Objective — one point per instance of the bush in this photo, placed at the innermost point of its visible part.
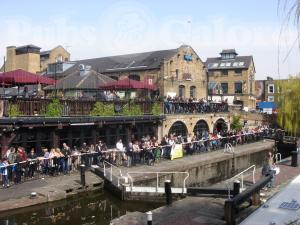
(14, 111)
(134, 110)
(236, 124)
(54, 109)
(101, 109)
(156, 109)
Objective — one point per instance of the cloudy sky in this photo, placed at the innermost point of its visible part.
(96, 28)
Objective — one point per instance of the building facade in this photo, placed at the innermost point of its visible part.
(31, 59)
(232, 78)
(176, 72)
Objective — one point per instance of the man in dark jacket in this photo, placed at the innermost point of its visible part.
(32, 163)
(66, 151)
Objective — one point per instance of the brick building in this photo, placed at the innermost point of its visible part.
(176, 72)
(232, 77)
(31, 59)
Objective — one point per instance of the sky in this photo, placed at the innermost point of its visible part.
(97, 28)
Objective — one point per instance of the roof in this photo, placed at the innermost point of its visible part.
(228, 51)
(239, 62)
(45, 52)
(136, 61)
(28, 46)
(74, 81)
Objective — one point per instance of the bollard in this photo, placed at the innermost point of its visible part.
(168, 192)
(149, 218)
(236, 187)
(294, 162)
(82, 175)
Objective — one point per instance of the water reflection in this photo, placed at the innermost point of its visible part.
(89, 209)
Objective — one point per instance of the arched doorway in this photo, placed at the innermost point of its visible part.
(200, 127)
(179, 129)
(220, 125)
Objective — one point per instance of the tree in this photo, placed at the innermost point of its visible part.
(236, 124)
(14, 111)
(288, 102)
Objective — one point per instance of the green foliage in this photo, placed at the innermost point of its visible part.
(101, 109)
(14, 111)
(236, 124)
(134, 110)
(156, 109)
(288, 102)
(54, 109)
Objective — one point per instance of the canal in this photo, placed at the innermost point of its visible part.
(97, 208)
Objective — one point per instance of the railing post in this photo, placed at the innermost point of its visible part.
(294, 162)
(110, 173)
(82, 175)
(149, 218)
(156, 182)
(236, 188)
(229, 212)
(168, 192)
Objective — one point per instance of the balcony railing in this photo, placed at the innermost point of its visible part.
(38, 107)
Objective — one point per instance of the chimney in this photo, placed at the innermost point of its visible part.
(10, 58)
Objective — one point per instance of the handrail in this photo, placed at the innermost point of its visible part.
(242, 178)
(111, 170)
(228, 148)
(157, 178)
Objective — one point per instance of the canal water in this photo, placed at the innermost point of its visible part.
(97, 208)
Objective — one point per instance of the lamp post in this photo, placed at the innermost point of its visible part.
(55, 64)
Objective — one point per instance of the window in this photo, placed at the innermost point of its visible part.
(228, 64)
(238, 71)
(134, 77)
(238, 88)
(224, 87)
(181, 91)
(222, 64)
(193, 92)
(271, 88)
(177, 73)
(59, 59)
(270, 98)
(225, 72)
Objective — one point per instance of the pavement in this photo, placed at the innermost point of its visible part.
(187, 162)
(48, 189)
(207, 210)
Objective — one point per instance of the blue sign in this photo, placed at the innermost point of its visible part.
(188, 57)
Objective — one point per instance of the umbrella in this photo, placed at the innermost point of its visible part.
(127, 84)
(21, 77)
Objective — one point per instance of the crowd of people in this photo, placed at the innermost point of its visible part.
(192, 105)
(17, 165)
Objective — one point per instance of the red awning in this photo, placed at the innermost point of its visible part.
(126, 84)
(21, 77)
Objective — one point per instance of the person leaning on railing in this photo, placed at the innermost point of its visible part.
(32, 163)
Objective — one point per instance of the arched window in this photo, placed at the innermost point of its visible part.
(181, 91)
(200, 127)
(220, 125)
(178, 128)
(134, 77)
(193, 93)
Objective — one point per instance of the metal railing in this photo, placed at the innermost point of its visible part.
(111, 167)
(228, 148)
(240, 176)
(157, 188)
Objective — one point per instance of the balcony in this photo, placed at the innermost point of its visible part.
(38, 107)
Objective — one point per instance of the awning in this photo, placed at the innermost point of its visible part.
(267, 105)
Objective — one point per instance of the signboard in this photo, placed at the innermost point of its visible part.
(176, 151)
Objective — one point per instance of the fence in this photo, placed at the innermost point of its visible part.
(35, 107)
(41, 166)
